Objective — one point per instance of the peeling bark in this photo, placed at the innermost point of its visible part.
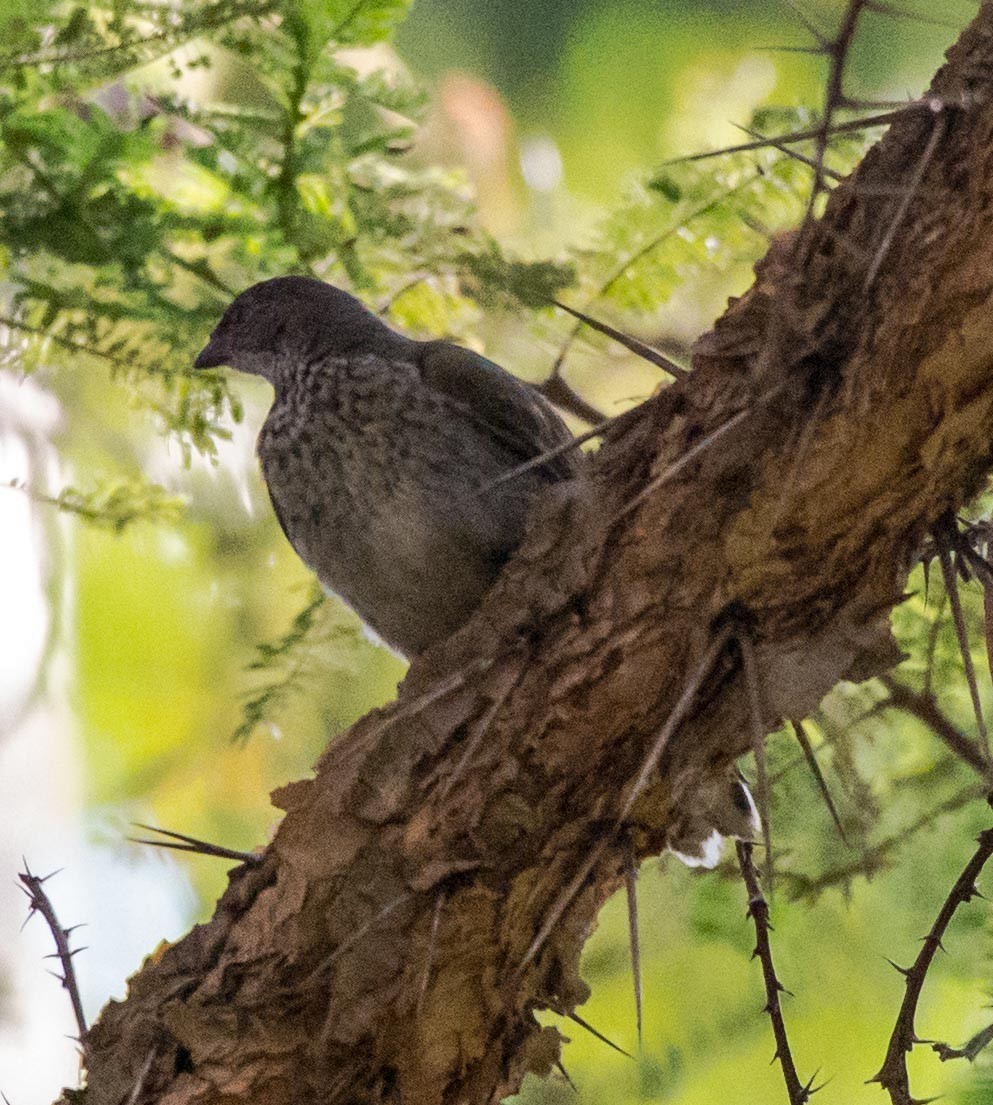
(854, 386)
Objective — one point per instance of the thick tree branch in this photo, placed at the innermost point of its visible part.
(308, 984)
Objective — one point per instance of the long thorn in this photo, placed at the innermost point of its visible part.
(631, 884)
(937, 130)
(565, 1074)
(955, 601)
(881, 120)
(180, 842)
(598, 1034)
(803, 739)
(550, 454)
(678, 715)
(562, 902)
(677, 466)
(439, 904)
(638, 347)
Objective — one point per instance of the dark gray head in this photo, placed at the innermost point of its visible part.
(291, 320)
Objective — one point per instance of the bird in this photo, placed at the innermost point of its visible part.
(383, 454)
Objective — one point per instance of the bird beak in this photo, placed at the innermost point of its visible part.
(211, 355)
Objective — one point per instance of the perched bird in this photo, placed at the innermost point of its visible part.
(380, 452)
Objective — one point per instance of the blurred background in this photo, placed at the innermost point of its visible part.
(164, 658)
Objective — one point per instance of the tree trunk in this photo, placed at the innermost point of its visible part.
(435, 882)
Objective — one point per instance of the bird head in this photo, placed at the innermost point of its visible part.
(273, 327)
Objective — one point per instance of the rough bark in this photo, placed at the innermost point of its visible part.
(384, 946)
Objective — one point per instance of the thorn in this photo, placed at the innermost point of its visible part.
(543, 458)
(905, 971)
(633, 344)
(565, 1075)
(809, 26)
(693, 452)
(955, 601)
(937, 132)
(598, 1034)
(679, 713)
(439, 904)
(180, 842)
(562, 903)
(815, 51)
(783, 148)
(631, 883)
(800, 732)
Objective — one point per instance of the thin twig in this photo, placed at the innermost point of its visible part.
(893, 1076)
(834, 99)
(39, 902)
(969, 1050)
(758, 911)
(924, 706)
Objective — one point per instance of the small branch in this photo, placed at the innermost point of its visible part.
(969, 1050)
(39, 902)
(924, 706)
(893, 1076)
(758, 910)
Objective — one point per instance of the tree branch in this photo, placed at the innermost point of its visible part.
(305, 985)
(893, 1075)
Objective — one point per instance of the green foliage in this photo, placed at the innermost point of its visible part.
(311, 648)
(116, 504)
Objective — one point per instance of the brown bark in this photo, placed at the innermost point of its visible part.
(380, 948)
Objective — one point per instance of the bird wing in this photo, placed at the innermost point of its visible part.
(519, 417)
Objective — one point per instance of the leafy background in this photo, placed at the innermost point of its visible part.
(165, 658)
